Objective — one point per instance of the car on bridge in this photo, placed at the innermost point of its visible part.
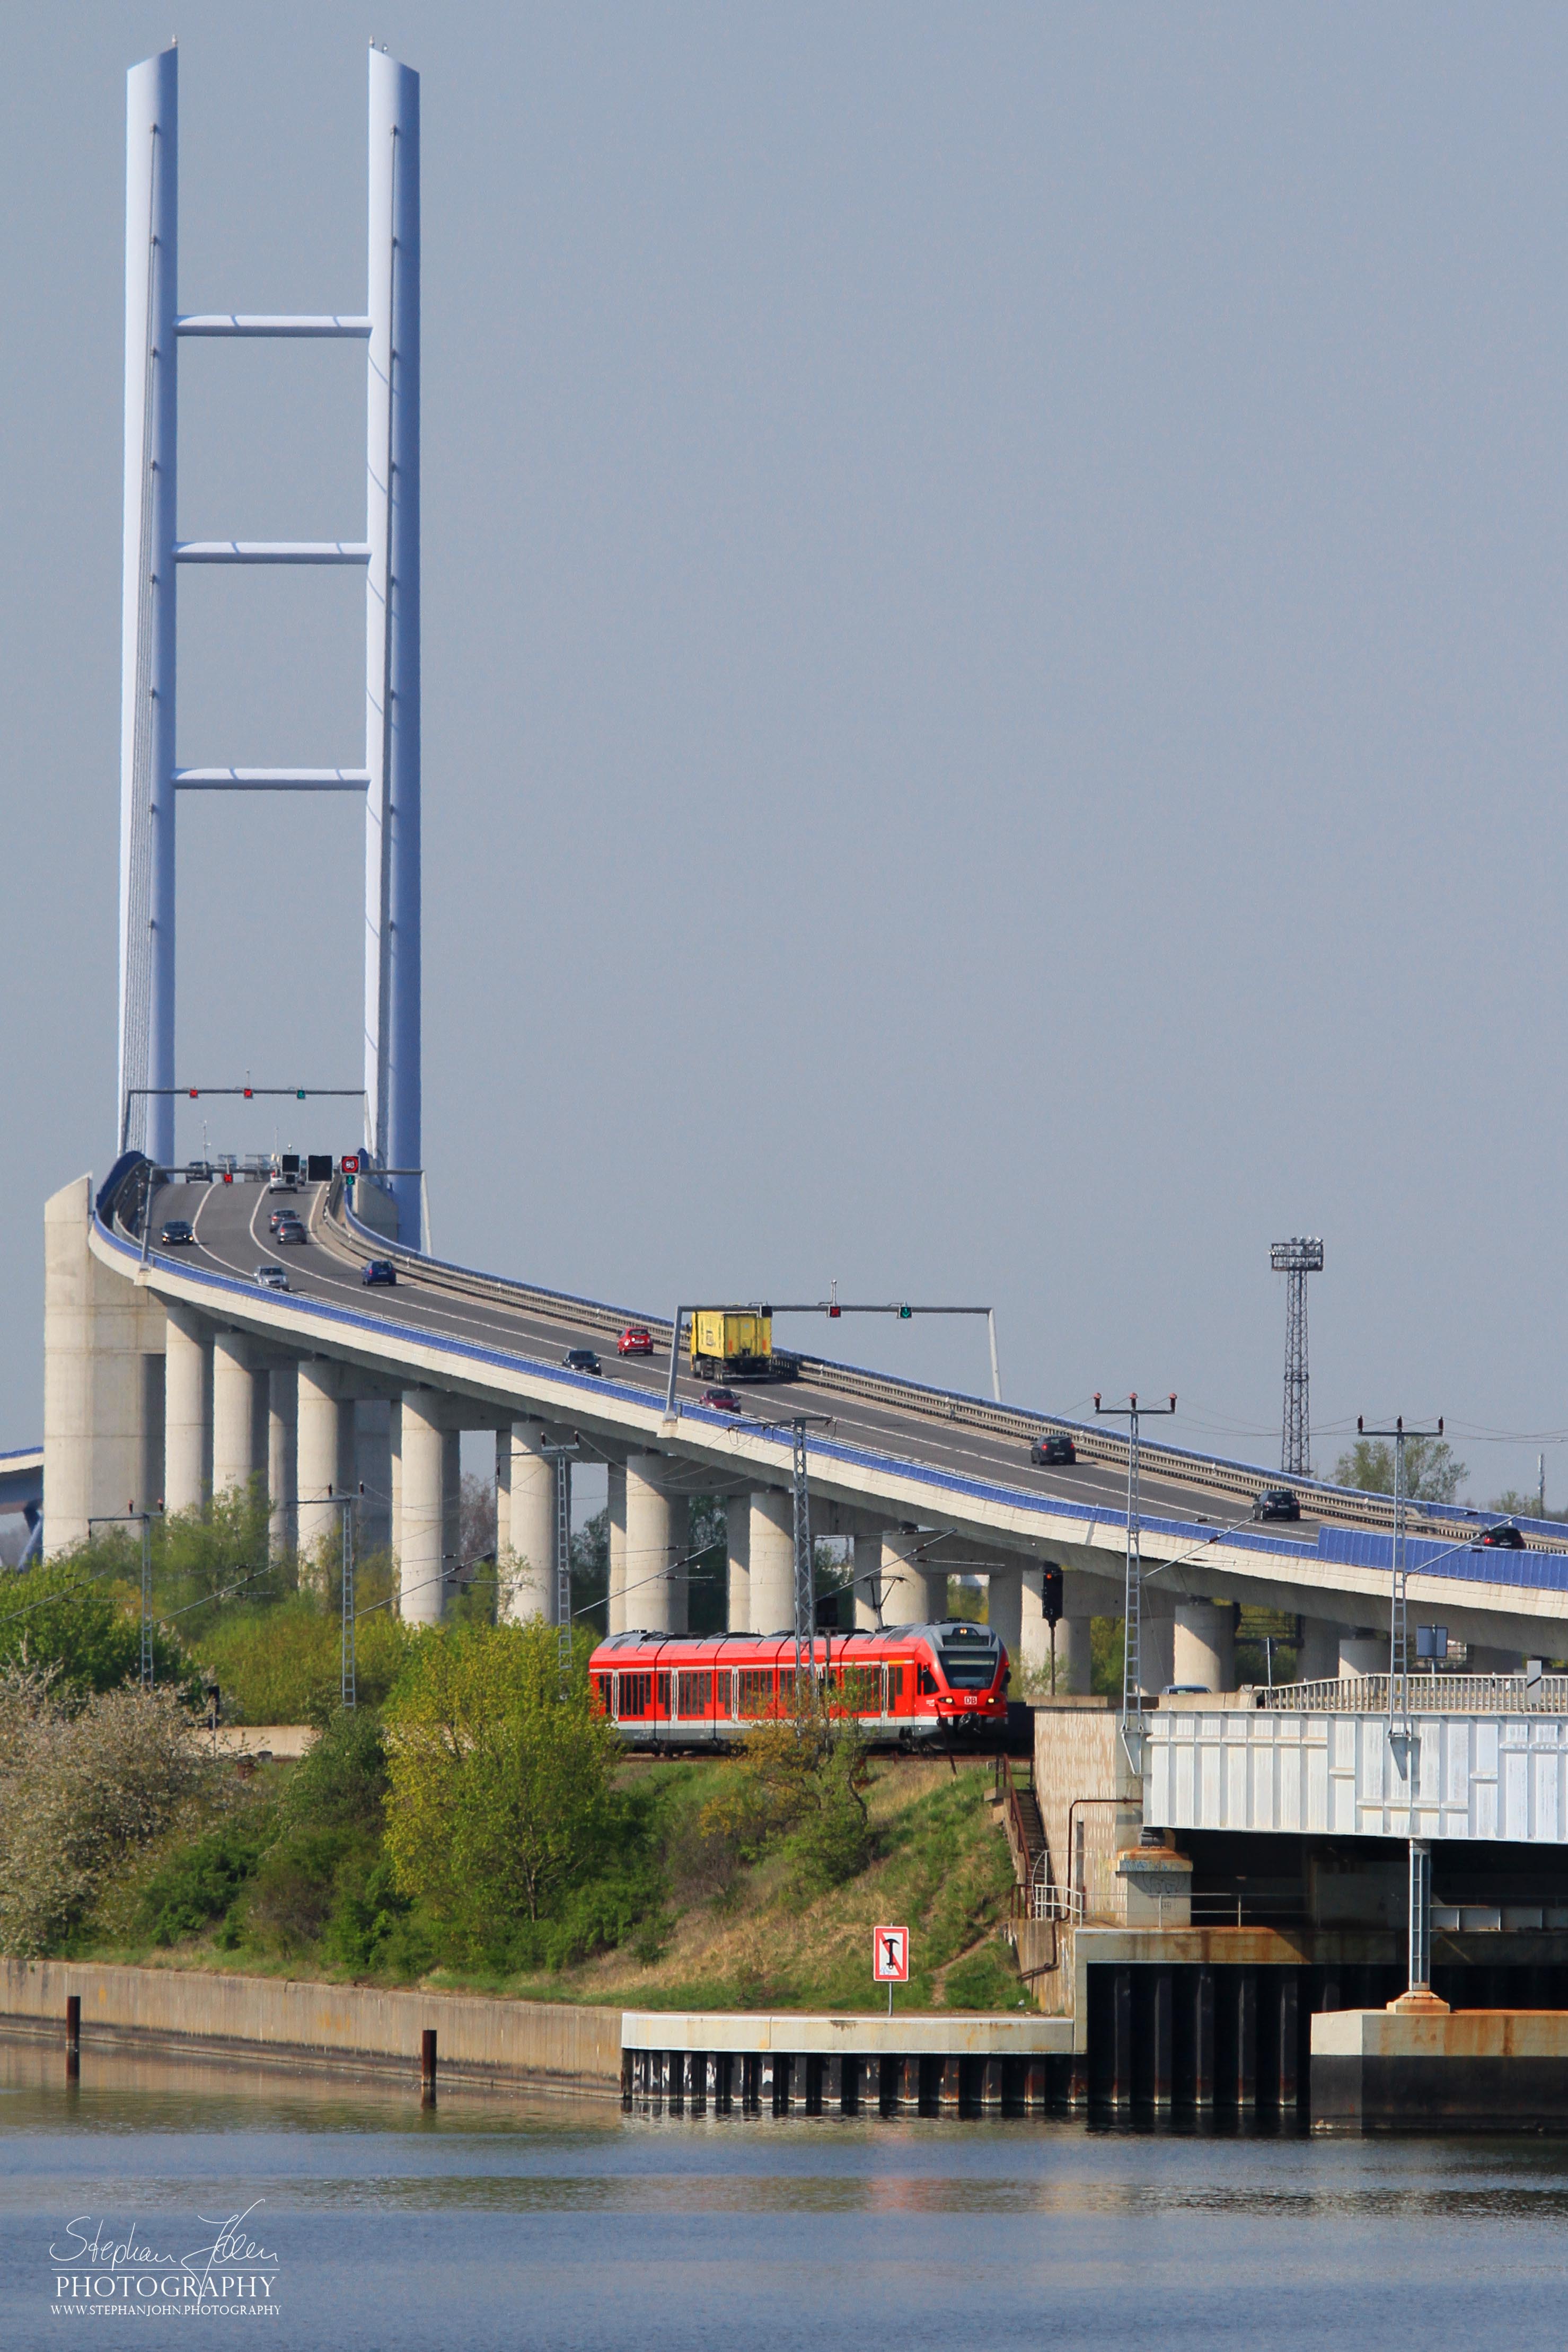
(1276, 1502)
(178, 1234)
(289, 1229)
(722, 1400)
(378, 1269)
(635, 1340)
(1504, 1537)
(271, 1277)
(582, 1359)
(283, 1184)
(1052, 1448)
(281, 1217)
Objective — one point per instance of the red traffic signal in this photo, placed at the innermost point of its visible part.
(834, 1313)
(248, 1094)
(228, 1175)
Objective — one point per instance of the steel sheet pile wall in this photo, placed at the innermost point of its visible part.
(1475, 1777)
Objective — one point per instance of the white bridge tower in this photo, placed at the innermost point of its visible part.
(151, 782)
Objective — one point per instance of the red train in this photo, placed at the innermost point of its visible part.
(905, 1684)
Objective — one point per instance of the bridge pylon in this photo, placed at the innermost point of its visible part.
(150, 781)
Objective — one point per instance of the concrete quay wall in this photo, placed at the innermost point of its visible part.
(546, 2045)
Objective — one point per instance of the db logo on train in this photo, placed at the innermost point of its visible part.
(891, 1955)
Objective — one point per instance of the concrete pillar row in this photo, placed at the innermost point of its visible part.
(239, 1400)
(652, 1549)
(282, 1436)
(421, 1571)
(771, 1560)
(529, 1532)
(616, 1516)
(738, 1555)
(187, 1409)
(1204, 1648)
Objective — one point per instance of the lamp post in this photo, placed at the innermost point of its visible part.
(1132, 1413)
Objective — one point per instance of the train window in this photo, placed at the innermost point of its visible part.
(696, 1694)
(635, 1691)
(725, 1678)
(895, 1676)
(925, 1683)
(858, 1688)
(755, 1695)
(969, 1665)
(602, 1692)
(662, 1694)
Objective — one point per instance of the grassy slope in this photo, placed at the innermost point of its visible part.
(944, 1872)
(751, 1939)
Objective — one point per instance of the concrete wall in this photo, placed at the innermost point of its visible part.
(103, 1411)
(532, 2041)
(1078, 1756)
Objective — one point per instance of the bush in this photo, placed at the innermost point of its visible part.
(800, 1779)
(296, 1885)
(80, 1793)
(198, 1884)
(283, 1664)
(500, 1779)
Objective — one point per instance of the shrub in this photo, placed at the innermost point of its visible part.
(282, 1664)
(499, 1777)
(198, 1883)
(72, 1614)
(80, 1794)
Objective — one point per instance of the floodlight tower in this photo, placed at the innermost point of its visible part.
(1296, 1260)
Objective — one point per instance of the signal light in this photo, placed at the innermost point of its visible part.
(834, 1313)
(299, 1094)
(1051, 1593)
(195, 1091)
(228, 1175)
(905, 1313)
(248, 1093)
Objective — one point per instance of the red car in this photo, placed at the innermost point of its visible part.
(722, 1400)
(634, 1341)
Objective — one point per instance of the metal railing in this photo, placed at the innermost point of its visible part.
(1425, 1694)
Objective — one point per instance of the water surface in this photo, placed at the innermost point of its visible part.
(521, 2223)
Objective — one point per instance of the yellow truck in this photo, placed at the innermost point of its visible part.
(736, 1343)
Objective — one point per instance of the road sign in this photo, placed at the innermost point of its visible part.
(350, 1163)
(891, 1955)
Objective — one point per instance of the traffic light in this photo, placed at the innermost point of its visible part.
(248, 1094)
(299, 1094)
(834, 1312)
(904, 1314)
(1051, 1593)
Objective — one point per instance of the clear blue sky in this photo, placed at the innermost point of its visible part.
(994, 663)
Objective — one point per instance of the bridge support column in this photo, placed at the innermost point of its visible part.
(395, 1475)
(187, 1409)
(1478, 1661)
(1363, 1653)
(102, 1395)
(651, 1547)
(531, 1527)
(1005, 1612)
(452, 1504)
(738, 1555)
(868, 1560)
(615, 1521)
(321, 1414)
(1157, 1651)
(771, 1543)
(422, 1573)
(1205, 1649)
(373, 1468)
(283, 1432)
(239, 1413)
(1318, 1658)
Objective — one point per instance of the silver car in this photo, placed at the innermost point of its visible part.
(271, 1277)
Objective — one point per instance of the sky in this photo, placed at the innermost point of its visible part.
(993, 668)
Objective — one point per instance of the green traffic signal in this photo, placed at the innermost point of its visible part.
(904, 1314)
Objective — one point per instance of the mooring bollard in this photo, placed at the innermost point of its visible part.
(427, 2066)
(73, 2033)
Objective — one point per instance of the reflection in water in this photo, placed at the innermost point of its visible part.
(495, 2220)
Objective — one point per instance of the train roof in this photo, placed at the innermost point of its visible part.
(716, 1644)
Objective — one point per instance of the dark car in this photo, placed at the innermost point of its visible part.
(582, 1359)
(282, 1217)
(378, 1269)
(1504, 1537)
(722, 1400)
(1052, 1446)
(178, 1234)
(1276, 1502)
(289, 1229)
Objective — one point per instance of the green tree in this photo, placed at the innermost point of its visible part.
(1432, 1473)
(500, 1779)
(74, 1614)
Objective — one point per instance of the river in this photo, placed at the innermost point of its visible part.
(370, 2224)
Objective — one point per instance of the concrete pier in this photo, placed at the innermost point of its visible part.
(530, 1534)
(422, 1582)
(1471, 2070)
(651, 1544)
(738, 1561)
(772, 1552)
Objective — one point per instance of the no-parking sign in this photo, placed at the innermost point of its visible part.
(350, 1163)
(891, 1955)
